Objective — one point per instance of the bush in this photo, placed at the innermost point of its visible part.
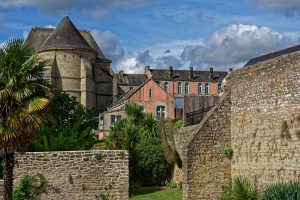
(282, 191)
(149, 164)
(240, 189)
(29, 187)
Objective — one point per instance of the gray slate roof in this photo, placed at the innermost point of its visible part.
(65, 36)
(184, 75)
(39, 35)
(272, 55)
(131, 79)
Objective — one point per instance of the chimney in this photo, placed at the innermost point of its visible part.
(121, 72)
(147, 68)
(171, 72)
(230, 70)
(191, 73)
(211, 73)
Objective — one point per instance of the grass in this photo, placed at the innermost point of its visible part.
(156, 194)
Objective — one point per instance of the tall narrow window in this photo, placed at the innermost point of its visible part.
(150, 92)
(199, 88)
(220, 87)
(179, 88)
(186, 88)
(206, 88)
(160, 112)
(166, 86)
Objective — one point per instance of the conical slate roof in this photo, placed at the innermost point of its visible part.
(65, 36)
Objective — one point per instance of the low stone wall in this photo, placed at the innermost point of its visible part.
(78, 175)
(206, 168)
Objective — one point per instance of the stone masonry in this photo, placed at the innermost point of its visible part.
(265, 120)
(205, 165)
(78, 175)
(259, 118)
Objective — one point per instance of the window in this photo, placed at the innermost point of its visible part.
(206, 89)
(220, 87)
(112, 119)
(160, 112)
(150, 93)
(186, 88)
(179, 88)
(166, 86)
(199, 88)
(119, 117)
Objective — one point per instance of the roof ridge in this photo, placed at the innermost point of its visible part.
(66, 36)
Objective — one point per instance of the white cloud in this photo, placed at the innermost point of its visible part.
(287, 7)
(234, 45)
(95, 8)
(109, 44)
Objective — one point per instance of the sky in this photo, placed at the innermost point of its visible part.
(221, 34)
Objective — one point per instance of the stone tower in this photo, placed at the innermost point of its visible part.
(77, 64)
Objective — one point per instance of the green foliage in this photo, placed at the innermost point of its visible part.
(149, 164)
(138, 133)
(170, 184)
(282, 191)
(240, 189)
(166, 133)
(228, 150)
(69, 129)
(29, 187)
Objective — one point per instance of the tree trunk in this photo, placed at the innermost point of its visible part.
(8, 166)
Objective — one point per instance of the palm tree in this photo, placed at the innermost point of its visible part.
(23, 94)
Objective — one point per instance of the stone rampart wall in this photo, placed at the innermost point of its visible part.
(206, 168)
(78, 175)
(265, 120)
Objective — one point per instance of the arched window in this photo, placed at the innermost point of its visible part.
(160, 112)
(220, 87)
(206, 88)
(186, 88)
(166, 86)
(199, 88)
(179, 88)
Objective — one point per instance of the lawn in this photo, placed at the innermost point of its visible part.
(156, 194)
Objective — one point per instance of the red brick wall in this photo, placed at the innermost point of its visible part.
(159, 97)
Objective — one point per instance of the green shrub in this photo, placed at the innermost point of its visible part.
(170, 184)
(240, 189)
(149, 165)
(282, 191)
(29, 187)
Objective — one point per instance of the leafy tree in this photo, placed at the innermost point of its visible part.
(151, 167)
(138, 133)
(69, 128)
(23, 94)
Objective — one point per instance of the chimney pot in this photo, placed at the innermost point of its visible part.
(191, 73)
(147, 68)
(211, 73)
(230, 69)
(171, 72)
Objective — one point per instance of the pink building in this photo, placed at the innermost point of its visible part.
(162, 94)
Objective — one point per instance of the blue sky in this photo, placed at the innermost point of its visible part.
(181, 33)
